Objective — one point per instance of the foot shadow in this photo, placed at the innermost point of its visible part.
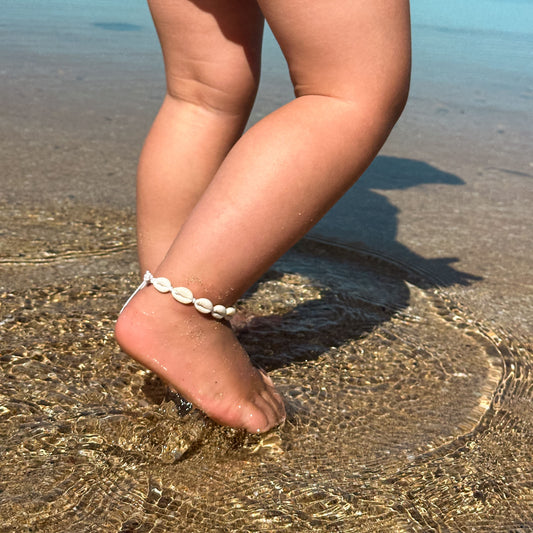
(358, 292)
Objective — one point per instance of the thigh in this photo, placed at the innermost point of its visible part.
(211, 49)
(344, 48)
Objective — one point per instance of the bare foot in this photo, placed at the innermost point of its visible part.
(201, 358)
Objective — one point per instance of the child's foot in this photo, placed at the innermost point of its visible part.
(201, 358)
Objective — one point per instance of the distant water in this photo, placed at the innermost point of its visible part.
(514, 16)
(460, 46)
(120, 27)
(478, 47)
(77, 27)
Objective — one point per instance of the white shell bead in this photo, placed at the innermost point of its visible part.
(182, 295)
(219, 312)
(230, 311)
(203, 305)
(162, 284)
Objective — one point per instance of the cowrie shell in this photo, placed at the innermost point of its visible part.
(162, 284)
(219, 312)
(182, 295)
(230, 311)
(203, 305)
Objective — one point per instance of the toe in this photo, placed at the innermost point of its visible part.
(272, 396)
(266, 413)
(274, 401)
(256, 421)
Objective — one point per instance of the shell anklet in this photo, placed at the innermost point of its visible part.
(184, 296)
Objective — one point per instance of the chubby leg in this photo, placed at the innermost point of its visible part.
(350, 66)
(212, 60)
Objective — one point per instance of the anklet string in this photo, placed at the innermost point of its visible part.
(183, 296)
(147, 277)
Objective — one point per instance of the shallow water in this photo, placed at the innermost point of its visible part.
(403, 413)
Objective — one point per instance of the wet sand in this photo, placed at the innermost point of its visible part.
(410, 412)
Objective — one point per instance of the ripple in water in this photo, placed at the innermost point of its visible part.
(404, 414)
(117, 26)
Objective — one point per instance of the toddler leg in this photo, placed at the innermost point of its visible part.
(212, 59)
(349, 61)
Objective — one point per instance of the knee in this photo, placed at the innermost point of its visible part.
(397, 95)
(376, 89)
(381, 109)
(380, 101)
(225, 90)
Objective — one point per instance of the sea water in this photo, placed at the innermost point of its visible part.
(450, 38)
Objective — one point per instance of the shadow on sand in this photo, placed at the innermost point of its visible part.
(366, 218)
